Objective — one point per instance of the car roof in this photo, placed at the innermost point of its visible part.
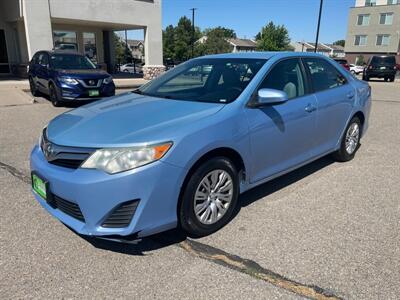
(69, 52)
(264, 55)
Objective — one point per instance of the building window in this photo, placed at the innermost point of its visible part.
(360, 40)
(89, 44)
(386, 19)
(65, 40)
(370, 2)
(392, 2)
(383, 40)
(363, 20)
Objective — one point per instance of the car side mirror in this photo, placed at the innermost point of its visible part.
(270, 96)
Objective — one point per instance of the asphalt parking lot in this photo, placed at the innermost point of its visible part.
(326, 231)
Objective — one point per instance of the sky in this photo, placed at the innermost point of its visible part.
(247, 17)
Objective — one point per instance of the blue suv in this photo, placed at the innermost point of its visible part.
(68, 76)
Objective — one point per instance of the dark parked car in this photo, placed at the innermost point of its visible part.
(381, 67)
(68, 76)
(343, 63)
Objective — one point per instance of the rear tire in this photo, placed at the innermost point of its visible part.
(209, 197)
(350, 141)
(54, 98)
(392, 79)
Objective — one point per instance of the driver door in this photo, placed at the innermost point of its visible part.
(282, 135)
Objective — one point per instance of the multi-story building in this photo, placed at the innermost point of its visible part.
(87, 26)
(373, 29)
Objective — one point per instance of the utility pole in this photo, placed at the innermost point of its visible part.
(193, 30)
(319, 24)
(126, 46)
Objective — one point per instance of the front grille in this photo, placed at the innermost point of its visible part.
(64, 156)
(121, 215)
(67, 163)
(67, 207)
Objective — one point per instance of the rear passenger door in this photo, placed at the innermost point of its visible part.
(335, 97)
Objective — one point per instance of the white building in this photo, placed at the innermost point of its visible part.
(329, 50)
(27, 26)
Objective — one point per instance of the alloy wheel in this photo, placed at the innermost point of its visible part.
(352, 138)
(213, 196)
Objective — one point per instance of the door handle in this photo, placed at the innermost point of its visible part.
(310, 108)
(350, 95)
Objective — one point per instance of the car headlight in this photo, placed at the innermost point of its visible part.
(68, 80)
(115, 160)
(107, 80)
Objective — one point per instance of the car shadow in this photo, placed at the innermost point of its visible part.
(158, 241)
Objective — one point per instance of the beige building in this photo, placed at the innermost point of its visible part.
(373, 29)
(87, 26)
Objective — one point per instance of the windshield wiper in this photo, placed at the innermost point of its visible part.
(137, 91)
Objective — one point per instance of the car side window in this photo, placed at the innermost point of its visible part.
(324, 76)
(286, 76)
(44, 59)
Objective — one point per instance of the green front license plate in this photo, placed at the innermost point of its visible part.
(93, 93)
(39, 186)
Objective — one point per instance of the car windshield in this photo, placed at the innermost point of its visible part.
(383, 60)
(71, 62)
(205, 80)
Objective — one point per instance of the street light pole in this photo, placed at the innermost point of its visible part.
(319, 24)
(193, 30)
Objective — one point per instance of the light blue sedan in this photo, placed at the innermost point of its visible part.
(179, 150)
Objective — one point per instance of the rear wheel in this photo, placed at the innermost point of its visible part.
(350, 141)
(392, 79)
(54, 98)
(209, 197)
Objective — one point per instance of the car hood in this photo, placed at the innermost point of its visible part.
(126, 120)
(84, 74)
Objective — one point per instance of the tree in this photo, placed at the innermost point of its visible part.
(340, 43)
(122, 53)
(169, 42)
(273, 38)
(177, 43)
(221, 31)
(216, 41)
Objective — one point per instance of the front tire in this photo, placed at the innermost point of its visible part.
(350, 141)
(54, 98)
(209, 197)
(33, 88)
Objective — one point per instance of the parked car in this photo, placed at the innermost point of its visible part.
(179, 150)
(67, 77)
(343, 63)
(381, 67)
(131, 68)
(354, 69)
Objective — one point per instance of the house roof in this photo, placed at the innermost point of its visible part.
(135, 43)
(243, 43)
(336, 47)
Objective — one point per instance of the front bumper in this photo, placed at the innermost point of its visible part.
(78, 92)
(156, 185)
